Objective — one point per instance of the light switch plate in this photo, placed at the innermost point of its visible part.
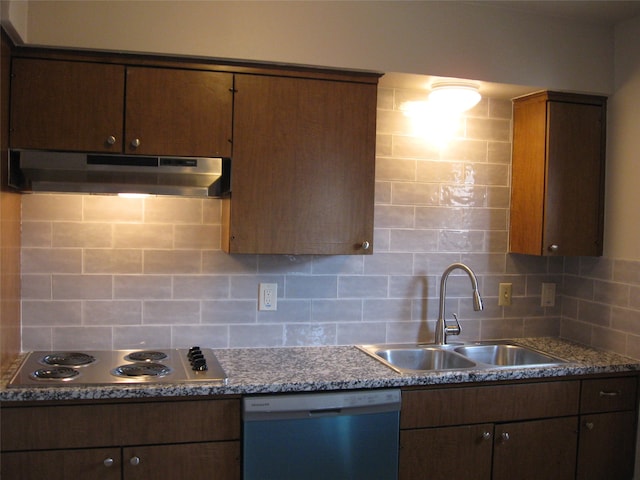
(548, 296)
(504, 294)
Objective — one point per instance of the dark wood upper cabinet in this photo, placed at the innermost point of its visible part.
(82, 106)
(558, 166)
(178, 112)
(303, 166)
(66, 105)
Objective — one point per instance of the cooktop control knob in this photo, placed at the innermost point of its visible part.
(199, 365)
(197, 360)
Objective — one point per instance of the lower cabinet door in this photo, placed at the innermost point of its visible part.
(607, 446)
(193, 461)
(535, 450)
(446, 453)
(94, 463)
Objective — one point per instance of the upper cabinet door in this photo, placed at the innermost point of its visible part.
(65, 105)
(558, 165)
(574, 204)
(178, 112)
(303, 166)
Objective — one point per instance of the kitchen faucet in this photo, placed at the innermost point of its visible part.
(442, 330)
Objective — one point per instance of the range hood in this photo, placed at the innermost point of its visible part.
(72, 172)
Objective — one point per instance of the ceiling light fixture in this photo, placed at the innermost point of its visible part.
(454, 97)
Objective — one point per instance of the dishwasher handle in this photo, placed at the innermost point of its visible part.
(325, 412)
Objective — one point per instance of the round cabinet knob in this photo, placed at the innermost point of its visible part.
(365, 245)
(505, 437)
(108, 462)
(589, 425)
(135, 143)
(111, 140)
(554, 247)
(134, 461)
(486, 435)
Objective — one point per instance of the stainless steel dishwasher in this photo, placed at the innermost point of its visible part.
(333, 435)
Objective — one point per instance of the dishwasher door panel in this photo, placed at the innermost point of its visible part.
(329, 446)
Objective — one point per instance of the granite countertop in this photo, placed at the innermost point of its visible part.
(304, 369)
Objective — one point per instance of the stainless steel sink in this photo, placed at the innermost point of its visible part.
(505, 355)
(412, 358)
(423, 358)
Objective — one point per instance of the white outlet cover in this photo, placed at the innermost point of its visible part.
(268, 297)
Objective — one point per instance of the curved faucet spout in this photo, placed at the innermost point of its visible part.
(442, 330)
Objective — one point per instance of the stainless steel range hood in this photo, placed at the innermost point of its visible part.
(72, 172)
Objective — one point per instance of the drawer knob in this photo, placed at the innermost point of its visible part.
(486, 435)
(365, 245)
(135, 143)
(553, 247)
(589, 425)
(111, 140)
(108, 462)
(505, 436)
(134, 460)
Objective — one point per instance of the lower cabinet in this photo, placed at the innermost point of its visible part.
(94, 463)
(462, 452)
(186, 461)
(522, 450)
(557, 430)
(535, 449)
(172, 440)
(608, 423)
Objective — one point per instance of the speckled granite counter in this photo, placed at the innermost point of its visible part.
(298, 369)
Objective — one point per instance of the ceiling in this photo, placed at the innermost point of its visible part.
(605, 13)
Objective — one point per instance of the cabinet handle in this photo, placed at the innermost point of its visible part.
(134, 460)
(365, 245)
(486, 435)
(111, 140)
(589, 425)
(553, 247)
(505, 437)
(108, 462)
(135, 143)
(613, 393)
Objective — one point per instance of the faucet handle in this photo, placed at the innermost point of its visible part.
(451, 330)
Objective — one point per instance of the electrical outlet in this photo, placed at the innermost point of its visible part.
(268, 296)
(504, 294)
(548, 296)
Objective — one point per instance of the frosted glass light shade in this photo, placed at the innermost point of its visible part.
(454, 97)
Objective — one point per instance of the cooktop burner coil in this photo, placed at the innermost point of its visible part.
(75, 359)
(146, 356)
(55, 373)
(141, 369)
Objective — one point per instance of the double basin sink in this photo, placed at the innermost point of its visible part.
(415, 358)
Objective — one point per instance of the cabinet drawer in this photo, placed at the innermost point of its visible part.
(500, 403)
(83, 426)
(608, 395)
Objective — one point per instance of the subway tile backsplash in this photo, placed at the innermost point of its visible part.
(102, 272)
(601, 305)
